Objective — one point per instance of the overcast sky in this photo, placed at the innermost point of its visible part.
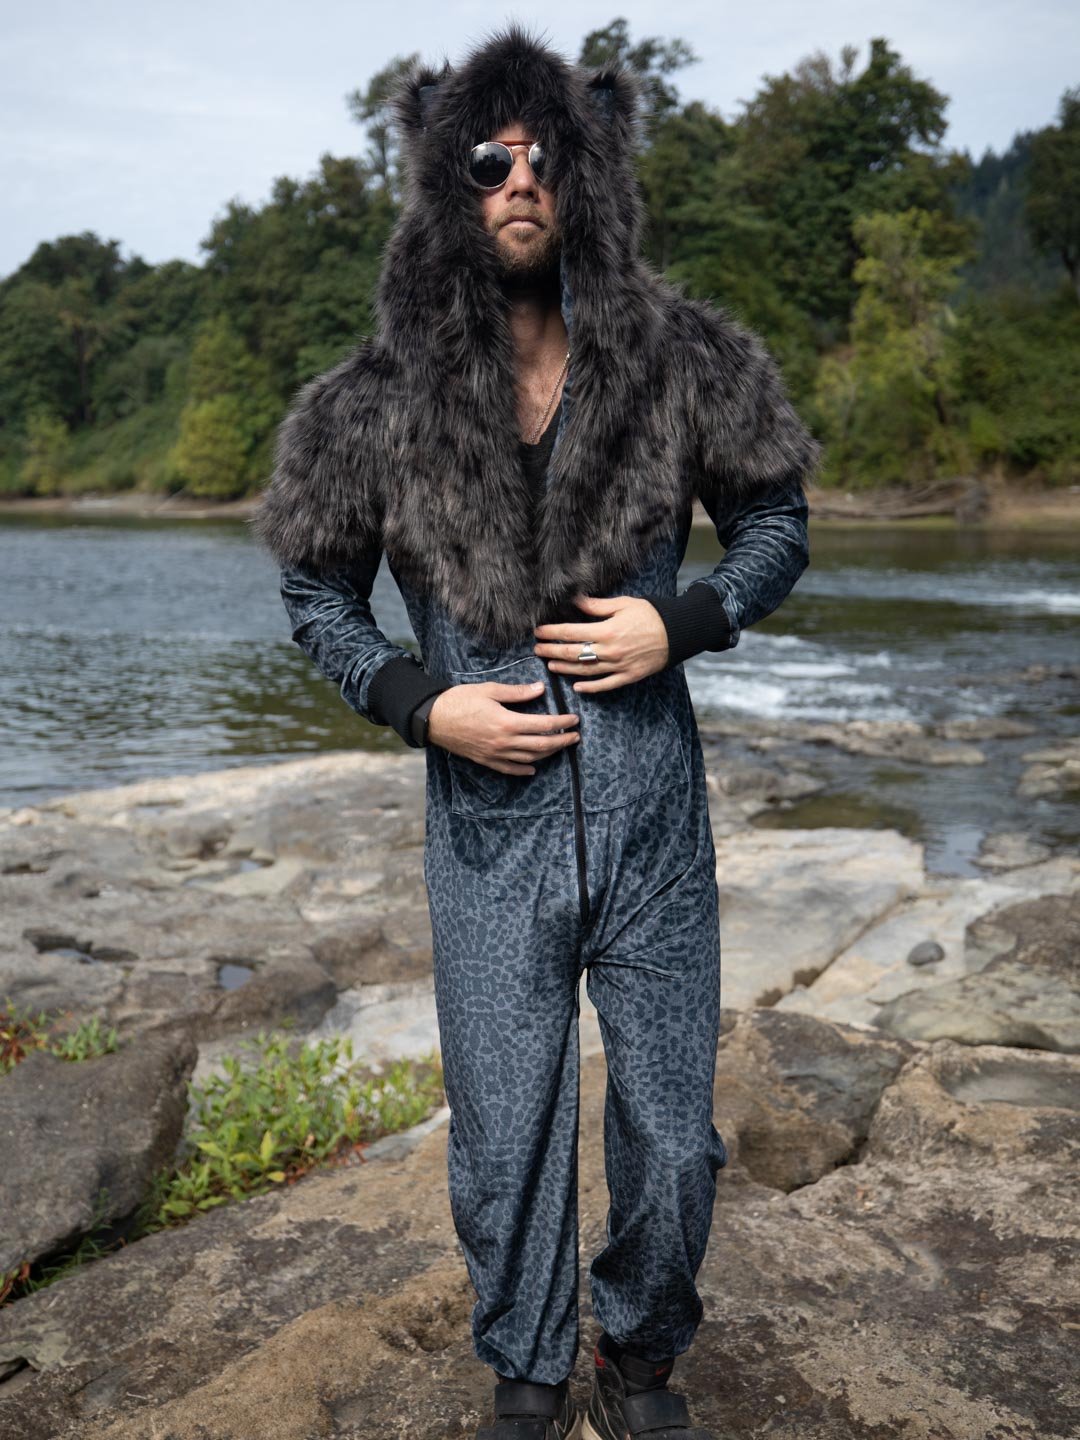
(141, 121)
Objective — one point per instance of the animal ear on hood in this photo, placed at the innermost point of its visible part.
(616, 95)
(412, 99)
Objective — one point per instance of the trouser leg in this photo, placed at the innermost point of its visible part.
(657, 995)
(506, 970)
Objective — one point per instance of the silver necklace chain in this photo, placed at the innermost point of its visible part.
(543, 418)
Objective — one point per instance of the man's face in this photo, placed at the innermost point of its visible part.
(521, 216)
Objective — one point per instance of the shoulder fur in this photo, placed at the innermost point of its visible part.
(745, 432)
(321, 507)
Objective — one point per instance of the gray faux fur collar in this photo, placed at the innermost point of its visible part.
(411, 440)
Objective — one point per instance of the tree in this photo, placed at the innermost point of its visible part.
(77, 282)
(1053, 205)
(228, 417)
(993, 194)
(885, 406)
(370, 108)
(820, 147)
(653, 59)
(35, 366)
(97, 263)
(262, 264)
(211, 456)
(47, 453)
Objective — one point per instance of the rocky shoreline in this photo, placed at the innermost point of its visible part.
(894, 1250)
(1002, 504)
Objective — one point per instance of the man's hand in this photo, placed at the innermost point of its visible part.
(631, 643)
(473, 720)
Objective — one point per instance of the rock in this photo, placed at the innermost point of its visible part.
(890, 739)
(983, 727)
(754, 788)
(873, 969)
(81, 1140)
(921, 1288)
(1028, 996)
(1003, 1005)
(289, 986)
(252, 865)
(927, 952)
(740, 786)
(355, 955)
(1008, 849)
(972, 1110)
(1053, 770)
(973, 503)
(1038, 672)
(385, 1022)
(163, 1317)
(891, 1223)
(794, 1099)
(791, 900)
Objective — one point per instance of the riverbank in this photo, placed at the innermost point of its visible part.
(896, 1084)
(1012, 507)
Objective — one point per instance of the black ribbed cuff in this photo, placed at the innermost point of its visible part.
(695, 621)
(397, 688)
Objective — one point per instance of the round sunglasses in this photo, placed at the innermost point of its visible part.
(490, 164)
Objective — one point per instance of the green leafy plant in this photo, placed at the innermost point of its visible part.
(265, 1124)
(252, 1127)
(21, 1032)
(85, 1041)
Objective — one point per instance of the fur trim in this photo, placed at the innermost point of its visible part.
(411, 441)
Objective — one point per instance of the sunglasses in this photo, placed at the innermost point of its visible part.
(490, 164)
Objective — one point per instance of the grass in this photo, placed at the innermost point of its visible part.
(255, 1126)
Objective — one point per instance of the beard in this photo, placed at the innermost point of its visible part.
(530, 265)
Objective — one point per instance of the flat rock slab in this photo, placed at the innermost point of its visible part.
(793, 900)
(874, 969)
(920, 1288)
(175, 1308)
(1027, 996)
(132, 902)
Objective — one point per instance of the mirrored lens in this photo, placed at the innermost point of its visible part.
(538, 161)
(490, 164)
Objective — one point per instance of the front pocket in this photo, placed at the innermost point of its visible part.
(482, 793)
(630, 743)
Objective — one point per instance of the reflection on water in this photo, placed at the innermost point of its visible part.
(131, 648)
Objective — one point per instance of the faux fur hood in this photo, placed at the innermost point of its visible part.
(411, 441)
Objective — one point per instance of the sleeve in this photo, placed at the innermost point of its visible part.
(332, 622)
(767, 547)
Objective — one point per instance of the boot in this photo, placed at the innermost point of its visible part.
(630, 1398)
(528, 1410)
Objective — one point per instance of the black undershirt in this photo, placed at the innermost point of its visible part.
(534, 458)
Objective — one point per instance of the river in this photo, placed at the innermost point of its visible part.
(132, 647)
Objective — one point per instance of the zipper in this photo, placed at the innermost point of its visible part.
(579, 814)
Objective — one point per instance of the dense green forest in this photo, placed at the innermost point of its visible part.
(925, 307)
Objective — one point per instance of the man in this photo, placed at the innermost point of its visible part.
(524, 440)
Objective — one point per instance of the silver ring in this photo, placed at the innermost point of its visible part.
(587, 652)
